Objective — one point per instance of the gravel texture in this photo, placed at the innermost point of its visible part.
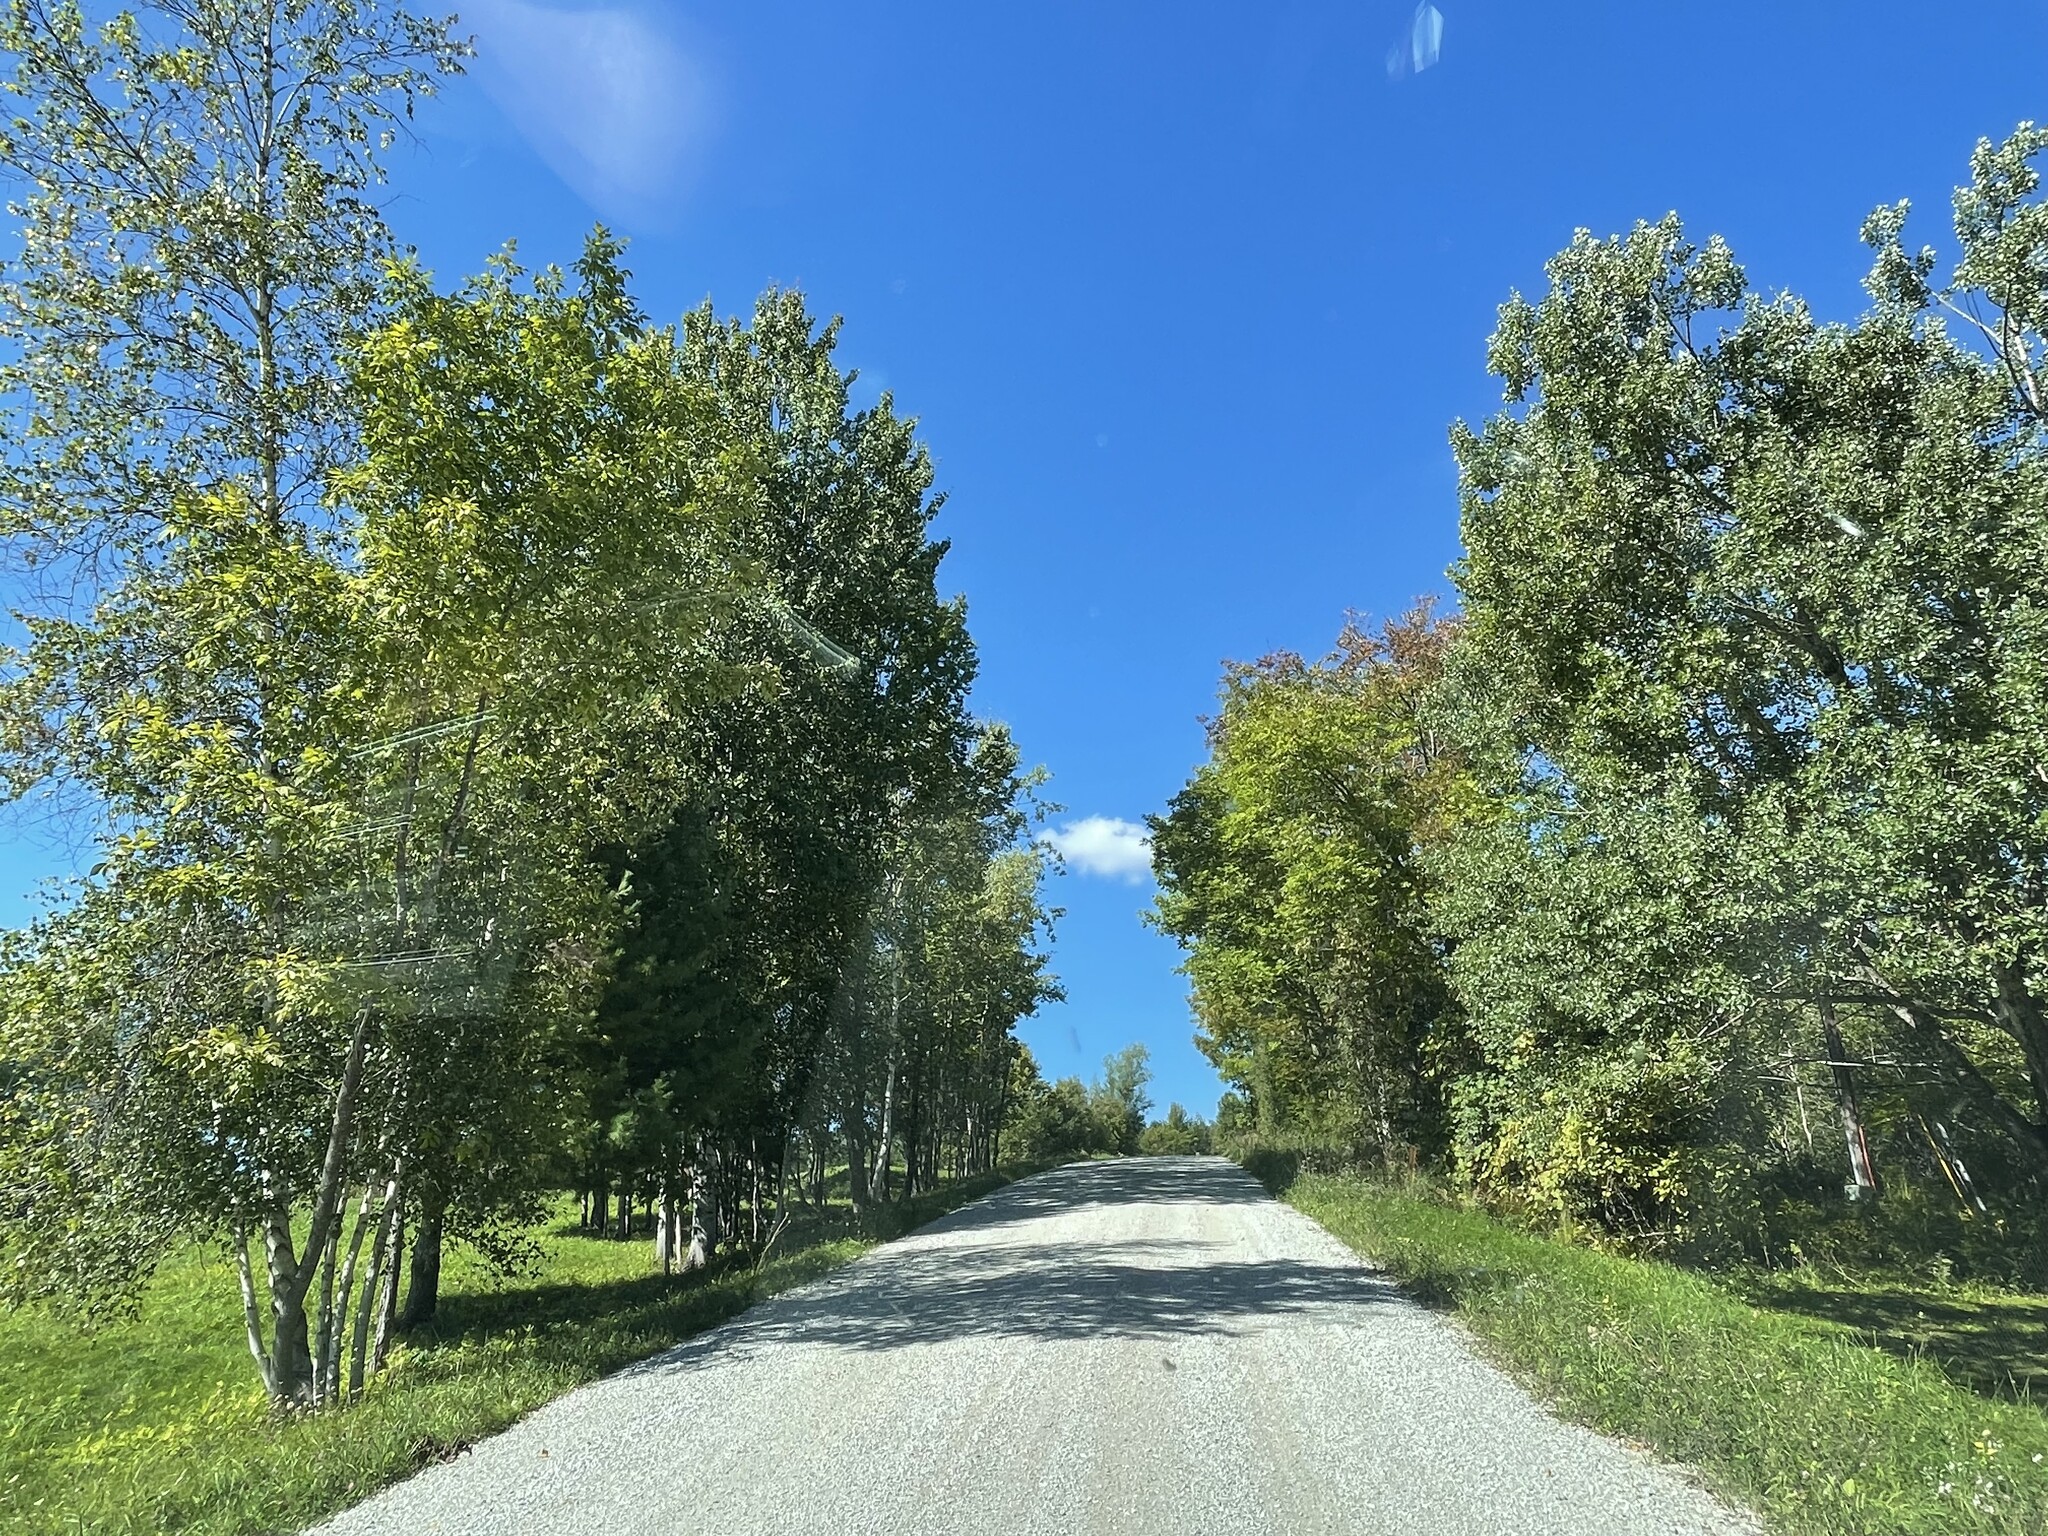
(1147, 1346)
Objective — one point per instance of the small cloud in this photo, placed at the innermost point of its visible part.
(1102, 439)
(1105, 846)
(607, 97)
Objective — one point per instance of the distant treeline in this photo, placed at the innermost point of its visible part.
(1071, 1119)
(1694, 875)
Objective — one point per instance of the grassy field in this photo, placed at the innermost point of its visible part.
(158, 1424)
(1785, 1408)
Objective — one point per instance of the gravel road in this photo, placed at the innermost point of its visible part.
(1131, 1347)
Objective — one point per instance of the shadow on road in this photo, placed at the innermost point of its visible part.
(1145, 1287)
(1125, 1181)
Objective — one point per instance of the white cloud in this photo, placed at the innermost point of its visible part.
(607, 97)
(1105, 846)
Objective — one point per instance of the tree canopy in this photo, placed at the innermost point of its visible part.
(1735, 801)
(527, 744)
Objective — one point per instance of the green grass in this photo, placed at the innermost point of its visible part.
(1796, 1416)
(1991, 1340)
(158, 1424)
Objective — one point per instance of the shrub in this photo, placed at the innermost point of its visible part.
(1179, 1134)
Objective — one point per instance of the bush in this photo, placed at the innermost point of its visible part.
(1277, 1158)
(1061, 1124)
(1071, 1119)
(1178, 1135)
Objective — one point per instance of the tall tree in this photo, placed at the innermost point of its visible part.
(1291, 869)
(546, 516)
(199, 241)
(1122, 1101)
(1753, 642)
(361, 972)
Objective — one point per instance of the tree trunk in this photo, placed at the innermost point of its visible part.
(666, 1229)
(291, 1358)
(387, 1297)
(853, 1124)
(1863, 1183)
(291, 1379)
(252, 1315)
(324, 1320)
(335, 1296)
(913, 1135)
(781, 1189)
(879, 1179)
(291, 1354)
(2020, 1013)
(995, 1121)
(373, 1284)
(423, 1284)
(705, 1231)
(2029, 1137)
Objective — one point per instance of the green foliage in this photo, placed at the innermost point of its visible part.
(1119, 1101)
(1070, 1119)
(1178, 1135)
(190, 1040)
(523, 741)
(882, 927)
(1290, 871)
(1698, 861)
(1059, 1124)
(1752, 656)
(201, 240)
(349, 919)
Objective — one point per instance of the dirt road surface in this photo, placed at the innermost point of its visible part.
(1143, 1347)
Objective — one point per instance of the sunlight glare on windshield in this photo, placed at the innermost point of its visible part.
(1419, 44)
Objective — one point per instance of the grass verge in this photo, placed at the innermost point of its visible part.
(1798, 1418)
(1985, 1337)
(157, 1423)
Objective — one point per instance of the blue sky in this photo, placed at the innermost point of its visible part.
(1184, 296)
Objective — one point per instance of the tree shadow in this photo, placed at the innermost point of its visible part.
(1055, 1292)
(1000, 1280)
(1003, 1283)
(1996, 1347)
(541, 1306)
(1119, 1181)
(609, 1322)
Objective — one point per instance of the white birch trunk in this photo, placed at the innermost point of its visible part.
(666, 1228)
(252, 1315)
(327, 1363)
(878, 1180)
(1863, 1183)
(373, 1284)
